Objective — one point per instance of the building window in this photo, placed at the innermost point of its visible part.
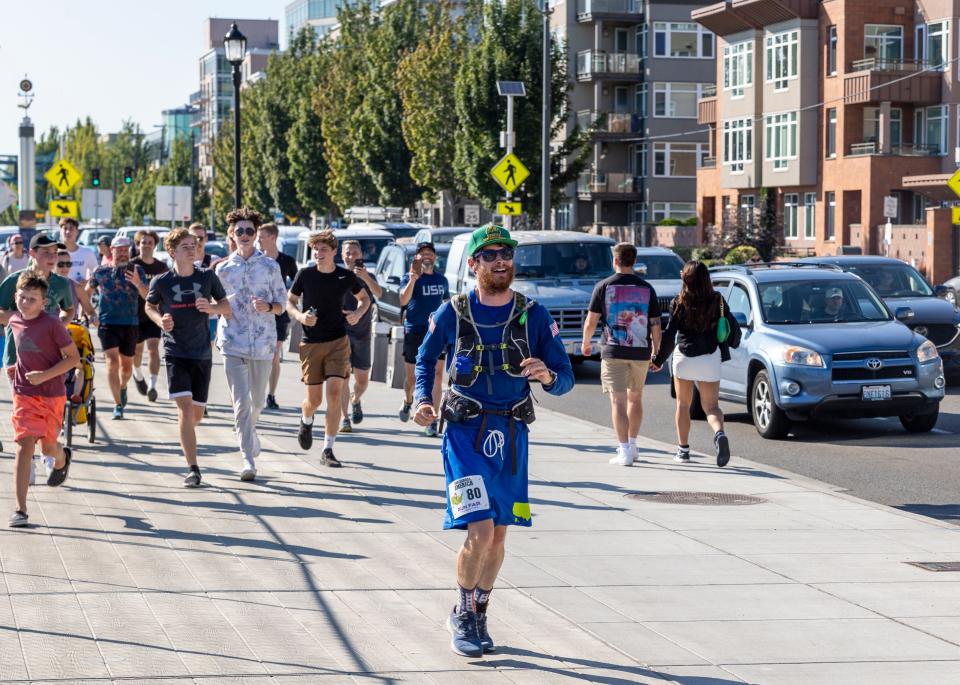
(681, 39)
(782, 58)
(564, 217)
(638, 212)
(676, 100)
(809, 215)
(831, 50)
(640, 100)
(621, 99)
(737, 143)
(883, 43)
(640, 160)
(936, 44)
(936, 129)
(673, 210)
(738, 67)
(919, 209)
(748, 204)
(642, 41)
(831, 232)
(781, 136)
(831, 137)
(791, 210)
(871, 125)
(678, 160)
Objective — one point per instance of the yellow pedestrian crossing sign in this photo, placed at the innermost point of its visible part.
(64, 208)
(509, 172)
(509, 208)
(62, 176)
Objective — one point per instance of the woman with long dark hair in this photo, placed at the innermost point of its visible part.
(692, 337)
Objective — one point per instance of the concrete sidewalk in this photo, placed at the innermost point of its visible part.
(314, 575)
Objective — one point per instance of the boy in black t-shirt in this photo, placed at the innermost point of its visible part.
(325, 349)
(630, 312)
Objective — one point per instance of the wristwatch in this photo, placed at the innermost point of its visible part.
(553, 379)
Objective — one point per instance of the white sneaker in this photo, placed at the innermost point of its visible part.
(633, 453)
(624, 457)
(249, 471)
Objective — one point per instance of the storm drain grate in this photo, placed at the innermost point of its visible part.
(936, 565)
(701, 498)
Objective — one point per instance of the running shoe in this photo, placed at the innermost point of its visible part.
(58, 476)
(624, 457)
(141, 384)
(152, 394)
(123, 397)
(431, 430)
(118, 412)
(357, 413)
(345, 426)
(722, 446)
(249, 471)
(405, 412)
(464, 637)
(305, 435)
(193, 478)
(328, 459)
(485, 640)
(271, 403)
(682, 456)
(18, 519)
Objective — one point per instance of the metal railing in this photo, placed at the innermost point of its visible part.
(608, 122)
(586, 7)
(591, 62)
(900, 150)
(607, 182)
(879, 64)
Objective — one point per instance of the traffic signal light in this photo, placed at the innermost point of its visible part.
(96, 178)
(128, 174)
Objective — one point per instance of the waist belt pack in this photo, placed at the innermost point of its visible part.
(458, 408)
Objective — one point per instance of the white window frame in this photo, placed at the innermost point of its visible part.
(939, 113)
(667, 150)
(641, 38)
(737, 143)
(667, 28)
(667, 89)
(881, 39)
(791, 216)
(666, 210)
(738, 67)
(781, 139)
(809, 216)
(782, 58)
(872, 114)
(830, 136)
(942, 29)
(832, 50)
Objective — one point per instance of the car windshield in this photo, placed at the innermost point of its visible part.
(372, 247)
(893, 280)
(564, 260)
(443, 238)
(216, 249)
(438, 266)
(401, 230)
(659, 267)
(820, 301)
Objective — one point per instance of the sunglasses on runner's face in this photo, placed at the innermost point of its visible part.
(64, 264)
(245, 230)
(504, 253)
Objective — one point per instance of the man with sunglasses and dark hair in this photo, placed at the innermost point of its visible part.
(497, 342)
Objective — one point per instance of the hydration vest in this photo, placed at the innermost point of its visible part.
(514, 345)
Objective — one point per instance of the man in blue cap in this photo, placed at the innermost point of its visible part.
(496, 341)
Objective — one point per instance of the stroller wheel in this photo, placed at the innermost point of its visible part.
(92, 420)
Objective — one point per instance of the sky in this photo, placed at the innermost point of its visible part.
(110, 60)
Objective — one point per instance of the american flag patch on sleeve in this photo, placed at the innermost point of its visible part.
(432, 325)
(554, 329)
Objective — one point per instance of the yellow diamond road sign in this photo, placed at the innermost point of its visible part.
(509, 208)
(954, 183)
(64, 208)
(62, 176)
(509, 172)
(955, 215)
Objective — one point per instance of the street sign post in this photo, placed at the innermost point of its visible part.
(509, 208)
(471, 215)
(7, 196)
(97, 204)
(64, 208)
(174, 203)
(890, 205)
(62, 176)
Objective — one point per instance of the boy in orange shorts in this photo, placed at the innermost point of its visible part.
(45, 355)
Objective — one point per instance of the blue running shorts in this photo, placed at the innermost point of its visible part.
(480, 484)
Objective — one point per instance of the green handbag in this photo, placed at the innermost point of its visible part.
(723, 326)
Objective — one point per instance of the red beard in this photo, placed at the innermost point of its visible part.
(495, 283)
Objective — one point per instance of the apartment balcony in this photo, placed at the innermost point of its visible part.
(597, 65)
(707, 106)
(609, 125)
(630, 11)
(871, 147)
(603, 185)
(876, 80)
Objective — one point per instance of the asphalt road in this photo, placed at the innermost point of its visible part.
(871, 458)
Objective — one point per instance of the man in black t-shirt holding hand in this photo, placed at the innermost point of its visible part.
(629, 310)
(325, 348)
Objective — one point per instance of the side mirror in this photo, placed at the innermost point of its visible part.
(941, 290)
(904, 313)
(741, 319)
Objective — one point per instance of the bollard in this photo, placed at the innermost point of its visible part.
(381, 352)
(396, 371)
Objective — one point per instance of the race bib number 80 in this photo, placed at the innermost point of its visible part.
(468, 495)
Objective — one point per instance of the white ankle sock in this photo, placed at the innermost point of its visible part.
(308, 420)
(153, 381)
(328, 441)
(625, 446)
(137, 373)
(631, 441)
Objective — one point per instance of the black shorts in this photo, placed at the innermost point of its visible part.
(283, 327)
(411, 343)
(360, 352)
(188, 378)
(148, 330)
(119, 336)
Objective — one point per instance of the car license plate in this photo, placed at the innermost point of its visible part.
(875, 392)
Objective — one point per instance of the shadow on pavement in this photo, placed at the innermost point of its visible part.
(944, 512)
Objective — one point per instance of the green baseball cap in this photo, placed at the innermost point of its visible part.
(490, 234)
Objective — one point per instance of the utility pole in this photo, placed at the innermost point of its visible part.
(545, 125)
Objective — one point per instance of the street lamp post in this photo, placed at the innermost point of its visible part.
(545, 124)
(235, 46)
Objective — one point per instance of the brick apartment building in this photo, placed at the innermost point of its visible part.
(834, 105)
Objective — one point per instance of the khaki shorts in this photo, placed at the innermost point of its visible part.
(320, 361)
(621, 375)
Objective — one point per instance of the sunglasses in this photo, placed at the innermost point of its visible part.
(64, 264)
(504, 253)
(248, 230)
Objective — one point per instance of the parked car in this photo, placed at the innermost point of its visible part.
(902, 286)
(394, 263)
(442, 235)
(89, 236)
(795, 362)
(556, 268)
(398, 229)
(949, 289)
(288, 240)
(372, 241)
(660, 267)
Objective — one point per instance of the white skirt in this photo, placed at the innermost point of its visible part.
(705, 367)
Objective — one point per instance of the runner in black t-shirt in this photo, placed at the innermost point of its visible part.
(267, 238)
(629, 310)
(325, 349)
(149, 333)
